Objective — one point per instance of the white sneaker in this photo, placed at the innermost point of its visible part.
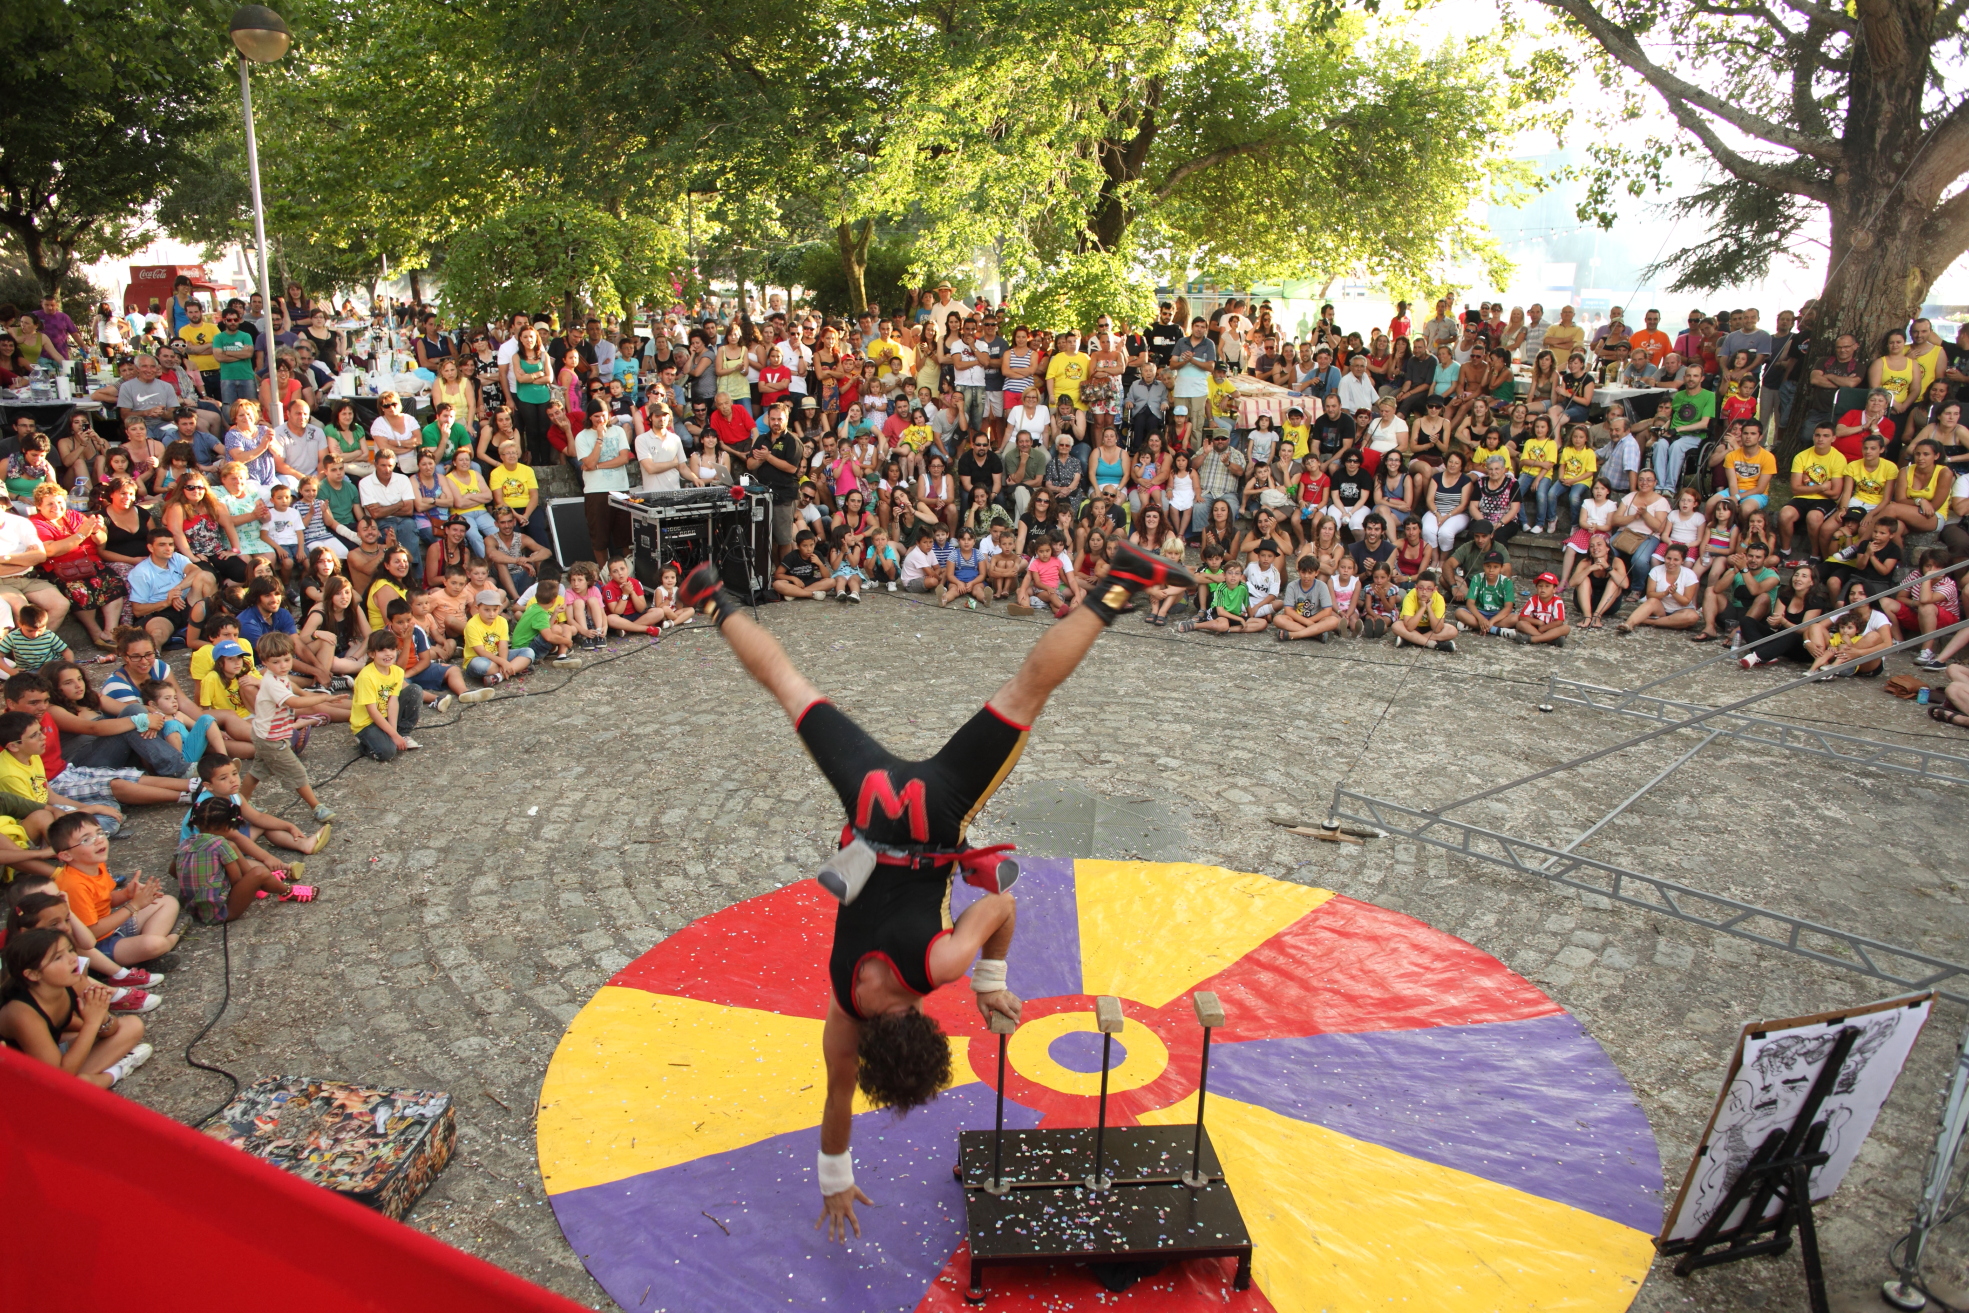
(855, 598)
(892, 585)
(478, 695)
(442, 705)
(566, 659)
(410, 744)
(134, 1059)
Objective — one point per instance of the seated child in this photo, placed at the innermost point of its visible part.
(543, 629)
(451, 605)
(843, 557)
(1491, 605)
(883, 563)
(1381, 602)
(219, 691)
(32, 644)
(37, 903)
(1004, 566)
(192, 740)
(50, 1002)
(438, 681)
(801, 572)
(965, 577)
(486, 655)
(222, 778)
(1048, 580)
(380, 715)
(132, 921)
(626, 605)
(1422, 622)
(664, 600)
(586, 609)
(1229, 610)
(217, 882)
(1163, 597)
(1308, 610)
(283, 529)
(443, 645)
(1542, 619)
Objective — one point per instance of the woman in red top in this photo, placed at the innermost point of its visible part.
(75, 564)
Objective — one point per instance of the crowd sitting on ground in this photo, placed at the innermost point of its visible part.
(323, 570)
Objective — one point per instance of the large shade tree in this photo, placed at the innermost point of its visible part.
(105, 99)
(1811, 108)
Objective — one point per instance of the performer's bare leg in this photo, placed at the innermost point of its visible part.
(1054, 657)
(766, 661)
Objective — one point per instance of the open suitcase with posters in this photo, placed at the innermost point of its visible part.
(381, 1148)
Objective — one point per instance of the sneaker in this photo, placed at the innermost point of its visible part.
(1925, 658)
(856, 599)
(1132, 566)
(341, 684)
(136, 1000)
(1750, 662)
(324, 813)
(565, 659)
(1400, 641)
(478, 695)
(299, 742)
(1560, 641)
(971, 602)
(410, 744)
(1446, 645)
(1322, 636)
(134, 1059)
(136, 978)
(442, 705)
(1521, 637)
(892, 585)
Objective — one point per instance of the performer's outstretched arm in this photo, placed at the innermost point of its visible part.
(983, 931)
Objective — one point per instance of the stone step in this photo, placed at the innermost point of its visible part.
(558, 481)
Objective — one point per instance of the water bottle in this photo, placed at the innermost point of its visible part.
(79, 495)
(1921, 698)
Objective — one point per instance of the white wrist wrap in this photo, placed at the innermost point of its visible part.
(836, 1172)
(988, 976)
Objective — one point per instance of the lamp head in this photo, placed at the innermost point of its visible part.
(260, 33)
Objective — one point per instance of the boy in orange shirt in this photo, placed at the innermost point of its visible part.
(131, 924)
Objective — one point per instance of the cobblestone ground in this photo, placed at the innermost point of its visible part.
(479, 891)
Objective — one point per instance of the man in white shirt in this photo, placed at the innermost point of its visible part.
(798, 359)
(1357, 389)
(967, 358)
(390, 499)
(298, 443)
(149, 398)
(660, 453)
(602, 449)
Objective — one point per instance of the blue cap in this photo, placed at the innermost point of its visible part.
(226, 647)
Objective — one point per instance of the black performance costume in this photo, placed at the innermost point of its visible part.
(915, 814)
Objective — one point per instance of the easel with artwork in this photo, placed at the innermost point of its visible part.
(1799, 1100)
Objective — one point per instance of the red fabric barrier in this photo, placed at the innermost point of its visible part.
(208, 1227)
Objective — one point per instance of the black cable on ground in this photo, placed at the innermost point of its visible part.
(225, 1000)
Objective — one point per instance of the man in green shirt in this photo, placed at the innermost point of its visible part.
(1466, 563)
(444, 434)
(233, 348)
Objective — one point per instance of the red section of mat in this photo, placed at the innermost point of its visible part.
(1191, 1287)
(1348, 967)
(247, 1235)
(768, 953)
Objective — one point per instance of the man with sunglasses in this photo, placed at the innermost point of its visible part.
(233, 348)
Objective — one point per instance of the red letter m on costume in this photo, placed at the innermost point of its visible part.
(877, 789)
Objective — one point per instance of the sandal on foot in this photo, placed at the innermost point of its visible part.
(300, 893)
(321, 839)
(1700, 637)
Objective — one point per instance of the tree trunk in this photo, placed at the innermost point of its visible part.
(416, 289)
(853, 250)
(34, 247)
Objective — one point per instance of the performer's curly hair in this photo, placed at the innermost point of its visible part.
(905, 1059)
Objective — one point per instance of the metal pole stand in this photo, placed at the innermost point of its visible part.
(1003, 1027)
(1107, 1019)
(1209, 1015)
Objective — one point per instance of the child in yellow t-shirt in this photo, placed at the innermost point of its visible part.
(1223, 398)
(219, 692)
(1298, 433)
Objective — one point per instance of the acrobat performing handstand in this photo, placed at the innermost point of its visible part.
(894, 941)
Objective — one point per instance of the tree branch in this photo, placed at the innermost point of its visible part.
(1829, 15)
(1207, 161)
(1946, 234)
(1680, 94)
(1764, 175)
(1946, 155)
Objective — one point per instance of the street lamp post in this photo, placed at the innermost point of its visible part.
(262, 37)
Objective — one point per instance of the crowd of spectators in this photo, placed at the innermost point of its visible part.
(328, 563)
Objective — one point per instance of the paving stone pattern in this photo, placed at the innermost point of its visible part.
(479, 891)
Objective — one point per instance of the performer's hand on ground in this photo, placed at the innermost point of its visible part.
(839, 1213)
(1002, 1001)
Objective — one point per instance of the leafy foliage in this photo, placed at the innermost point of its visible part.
(1083, 287)
(537, 252)
(103, 100)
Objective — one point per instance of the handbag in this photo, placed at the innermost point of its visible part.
(1627, 542)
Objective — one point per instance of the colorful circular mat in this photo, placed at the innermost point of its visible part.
(1405, 1122)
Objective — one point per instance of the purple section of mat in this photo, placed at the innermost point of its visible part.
(1534, 1105)
(1045, 959)
(648, 1240)
(1080, 1050)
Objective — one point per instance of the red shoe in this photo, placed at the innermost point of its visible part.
(135, 978)
(300, 893)
(990, 869)
(1136, 569)
(136, 1000)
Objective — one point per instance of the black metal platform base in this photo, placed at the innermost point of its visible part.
(1048, 1214)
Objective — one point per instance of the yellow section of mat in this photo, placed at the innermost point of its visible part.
(644, 1081)
(1338, 1223)
(1150, 931)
